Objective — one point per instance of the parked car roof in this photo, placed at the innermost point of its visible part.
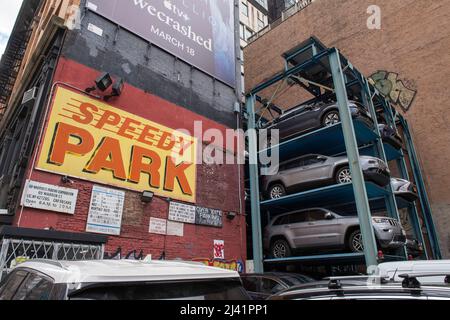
(107, 271)
(358, 286)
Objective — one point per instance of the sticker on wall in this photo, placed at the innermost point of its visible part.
(91, 140)
(219, 249)
(49, 197)
(105, 211)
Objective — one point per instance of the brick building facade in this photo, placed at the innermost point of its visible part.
(159, 87)
(408, 55)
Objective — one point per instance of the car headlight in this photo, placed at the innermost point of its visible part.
(380, 220)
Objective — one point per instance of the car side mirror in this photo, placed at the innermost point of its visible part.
(329, 216)
(322, 158)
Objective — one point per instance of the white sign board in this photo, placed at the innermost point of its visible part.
(158, 226)
(105, 211)
(175, 229)
(182, 212)
(49, 197)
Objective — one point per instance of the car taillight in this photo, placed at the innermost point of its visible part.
(380, 255)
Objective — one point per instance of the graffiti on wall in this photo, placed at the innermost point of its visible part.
(118, 255)
(397, 91)
(235, 265)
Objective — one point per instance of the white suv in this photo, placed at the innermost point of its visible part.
(120, 280)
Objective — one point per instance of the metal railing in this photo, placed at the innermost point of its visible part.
(289, 12)
(16, 251)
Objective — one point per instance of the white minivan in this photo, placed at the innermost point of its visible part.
(394, 270)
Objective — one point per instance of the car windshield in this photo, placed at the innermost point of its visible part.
(190, 290)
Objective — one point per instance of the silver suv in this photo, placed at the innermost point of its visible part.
(321, 228)
(317, 170)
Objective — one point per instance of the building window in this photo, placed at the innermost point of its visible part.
(244, 9)
(248, 34)
(242, 31)
(261, 23)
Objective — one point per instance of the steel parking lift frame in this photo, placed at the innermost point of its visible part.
(349, 137)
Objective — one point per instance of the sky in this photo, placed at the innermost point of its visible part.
(8, 14)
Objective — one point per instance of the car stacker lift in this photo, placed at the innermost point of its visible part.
(324, 72)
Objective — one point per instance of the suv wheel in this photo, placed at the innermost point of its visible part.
(355, 241)
(277, 191)
(331, 118)
(344, 175)
(280, 249)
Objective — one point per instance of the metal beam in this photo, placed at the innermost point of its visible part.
(359, 187)
(287, 73)
(424, 200)
(391, 203)
(254, 186)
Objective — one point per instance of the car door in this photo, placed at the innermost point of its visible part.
(292, 122)
(292, 173)
(315, 168)
(321, 231)
(298, 227)
(311, 118)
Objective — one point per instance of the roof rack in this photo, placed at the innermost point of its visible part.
(335, 282)
(410, 279)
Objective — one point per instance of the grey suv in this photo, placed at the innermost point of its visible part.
(311, 116)
(319, 228)
(317, 170)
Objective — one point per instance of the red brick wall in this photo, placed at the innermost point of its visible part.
(414, 42)
(217, 188)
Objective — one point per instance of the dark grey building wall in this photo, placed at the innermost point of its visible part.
(150, 68)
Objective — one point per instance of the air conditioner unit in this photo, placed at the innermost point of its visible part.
(30, 95)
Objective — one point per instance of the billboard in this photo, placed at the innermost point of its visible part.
(94, 141)
(200, 32)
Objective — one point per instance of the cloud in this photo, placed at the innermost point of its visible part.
(8, 13)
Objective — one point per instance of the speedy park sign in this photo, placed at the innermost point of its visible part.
(94, 141)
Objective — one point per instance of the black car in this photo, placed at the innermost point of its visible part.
(390, 136)
(262, 286)
(312, 116)
(364, 288)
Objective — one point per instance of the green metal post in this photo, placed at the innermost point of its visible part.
(254, 186)
(359, 187)
(424, 200)
(412, 210)
(391, 203)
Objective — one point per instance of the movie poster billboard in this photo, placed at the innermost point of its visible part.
(200, 32)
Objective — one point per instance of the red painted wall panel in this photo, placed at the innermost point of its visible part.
(217, 187)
